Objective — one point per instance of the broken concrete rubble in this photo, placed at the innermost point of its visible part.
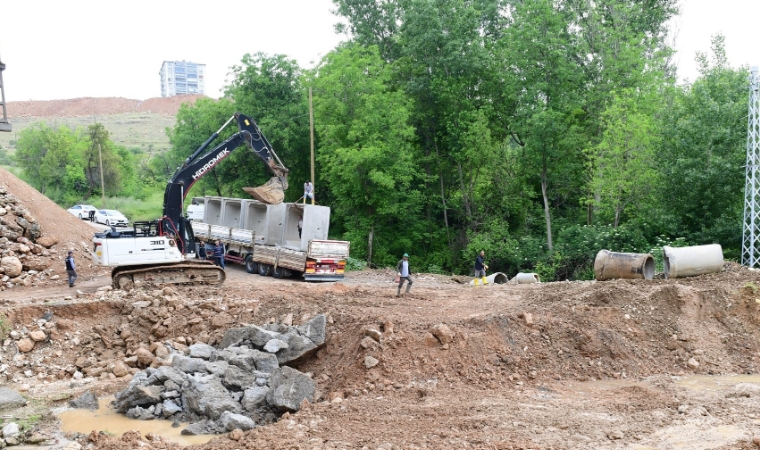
(233, 387)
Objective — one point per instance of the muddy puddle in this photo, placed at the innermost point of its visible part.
(108, 420)
(715, 382)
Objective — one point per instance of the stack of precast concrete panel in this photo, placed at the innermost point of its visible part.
(275, 225)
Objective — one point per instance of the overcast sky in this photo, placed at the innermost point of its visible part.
(95, 48)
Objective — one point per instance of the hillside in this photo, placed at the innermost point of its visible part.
(132, 123)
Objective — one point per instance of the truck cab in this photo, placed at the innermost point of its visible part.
(196, 208)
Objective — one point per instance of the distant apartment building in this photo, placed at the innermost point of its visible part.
(181, 77)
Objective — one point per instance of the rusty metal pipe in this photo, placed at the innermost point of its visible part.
(612, 265)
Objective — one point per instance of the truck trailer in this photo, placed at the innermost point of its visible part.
(267, 240)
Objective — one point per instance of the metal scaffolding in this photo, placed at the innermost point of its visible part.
(751, 232)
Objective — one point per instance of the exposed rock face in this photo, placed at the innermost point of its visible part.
(233, 387)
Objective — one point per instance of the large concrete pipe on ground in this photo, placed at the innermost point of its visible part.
(496, 278)
(690, 261)
(611, 265)
(527, 278)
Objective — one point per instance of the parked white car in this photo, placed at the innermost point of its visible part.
(82, 211)
(196, 208)
(111, 217)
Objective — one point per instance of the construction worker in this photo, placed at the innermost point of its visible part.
(480, 268)
(403, 274)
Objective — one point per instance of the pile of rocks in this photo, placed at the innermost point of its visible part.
(25, 254)
(239, 384)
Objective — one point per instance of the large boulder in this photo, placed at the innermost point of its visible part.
(188, 365)
(203, 351)
(88, 400)
(11, 266)
(137, 395)
(289, 388)
(239, 378)
(206, 395)
(47, 241)
(256, 335)
(10, 399)
(38, 264)
(303, 341)
(248, 359)
(231, 421)
(254, 398)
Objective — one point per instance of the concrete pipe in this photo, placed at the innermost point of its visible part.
(611, 265)
(496, 278)
(691, 261)
(527, 278)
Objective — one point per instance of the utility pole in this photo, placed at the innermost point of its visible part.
(751, 232)
(102, 184)
(4, 124)
(311, 132)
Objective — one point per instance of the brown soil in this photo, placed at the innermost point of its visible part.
(89, 106)
(592, 365)
(71, 232)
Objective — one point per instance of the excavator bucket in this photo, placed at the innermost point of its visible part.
(271, 193)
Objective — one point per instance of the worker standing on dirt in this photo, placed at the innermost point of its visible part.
(404, 274)
(219, 254)
(92, 215)
(480, 268)
(71, 269)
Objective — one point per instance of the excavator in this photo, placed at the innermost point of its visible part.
(162, 251)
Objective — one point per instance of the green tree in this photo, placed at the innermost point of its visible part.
(624, 160)
(702, 154)
(366, 151)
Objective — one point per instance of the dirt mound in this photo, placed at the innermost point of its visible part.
(90, 106)
(55, 222)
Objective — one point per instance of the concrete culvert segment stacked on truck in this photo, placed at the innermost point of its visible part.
(266, 238)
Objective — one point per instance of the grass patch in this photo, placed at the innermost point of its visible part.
(5, 327)
(136, 209)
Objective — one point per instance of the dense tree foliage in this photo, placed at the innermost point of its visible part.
(540, 131)
(65, 164)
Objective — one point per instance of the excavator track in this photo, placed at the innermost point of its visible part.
(200, 272)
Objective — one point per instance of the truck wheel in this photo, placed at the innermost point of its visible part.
(264, 269)
(279, 272)
(251, 266)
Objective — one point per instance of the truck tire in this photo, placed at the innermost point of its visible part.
(251, 266)
(264, 269)
(279, 272)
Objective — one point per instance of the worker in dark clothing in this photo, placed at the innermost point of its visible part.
(219, 254)
(92, 215)
(403, 274)
(202, 250)
(480, 268)
(71, 269)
